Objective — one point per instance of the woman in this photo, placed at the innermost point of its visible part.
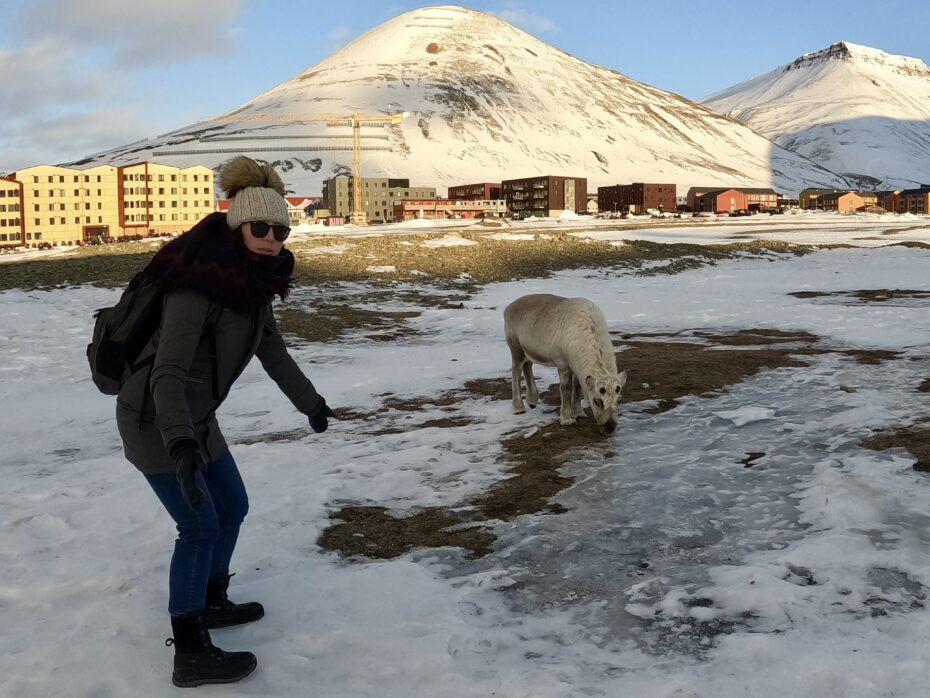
(219, 279)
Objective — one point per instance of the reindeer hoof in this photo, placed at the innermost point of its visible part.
(532, 405)
(566, 421)
(518, 410)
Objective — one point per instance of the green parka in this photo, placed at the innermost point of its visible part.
(176, 397)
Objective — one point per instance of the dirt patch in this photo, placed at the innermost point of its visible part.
(373, 532)
(666, 371)
(110, 270)
(915, 440)
(872, 357)
(465, 267)
(872, 295)
(924, 387)
(328, 322)
(493, 260)
(660, 371)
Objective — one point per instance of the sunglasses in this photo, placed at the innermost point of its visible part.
(260, 229)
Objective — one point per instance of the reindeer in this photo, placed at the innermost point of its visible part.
(570, 334)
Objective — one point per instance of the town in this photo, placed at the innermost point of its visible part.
(48, 206)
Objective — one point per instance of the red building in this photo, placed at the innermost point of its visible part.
(431, 209)
(721, 201)
(636, 198)
(485, 191)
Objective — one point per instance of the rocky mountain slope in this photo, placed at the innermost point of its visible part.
(856, 110)
(486, 102)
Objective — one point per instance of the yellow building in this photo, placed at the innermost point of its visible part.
(378, 196)
(64, 205)
(158, 199)
(11, 215)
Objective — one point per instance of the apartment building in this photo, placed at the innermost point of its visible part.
(637, 197)
(484, 191)
(750, 198)
(158, 199)
(760, 198)
(908, 200)
(409, 209)
(720, 201)
(378, 196)
(64, 205)
(11, 213)
(828, 199)
(544, 196)
(846, 201)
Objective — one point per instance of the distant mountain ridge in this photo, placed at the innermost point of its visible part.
(854, 109)
(488, 102)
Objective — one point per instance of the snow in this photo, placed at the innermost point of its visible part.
(815, 560)
(487, 102)
(851, 108)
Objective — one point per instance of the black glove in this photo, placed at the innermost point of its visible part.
(187, 461)
(319, 420)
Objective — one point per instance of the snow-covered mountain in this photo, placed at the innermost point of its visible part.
(856, 110)
(487, 102)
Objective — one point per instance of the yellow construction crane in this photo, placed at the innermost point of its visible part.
(356, 121)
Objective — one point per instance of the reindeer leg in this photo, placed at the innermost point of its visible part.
(518, 360)
(532, 397)
(566, 410)
(576, 397)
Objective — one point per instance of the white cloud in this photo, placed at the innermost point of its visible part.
(40, 77)
(136, 33)
(528, 21)
(70, 136)
(81, 78)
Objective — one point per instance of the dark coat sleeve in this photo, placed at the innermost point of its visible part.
(185, 314)
(283, 370)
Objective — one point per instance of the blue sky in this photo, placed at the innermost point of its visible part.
(80, 76)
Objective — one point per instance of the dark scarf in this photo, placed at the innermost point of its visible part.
(212, 260)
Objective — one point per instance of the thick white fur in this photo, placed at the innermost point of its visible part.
(570, 334)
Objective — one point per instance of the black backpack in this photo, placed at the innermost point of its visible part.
(121, 332)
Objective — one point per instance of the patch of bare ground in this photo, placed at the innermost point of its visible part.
(503, 260)
(914, 439)
(871, 295)
(327, 322)
(487, 261)
(661, 371)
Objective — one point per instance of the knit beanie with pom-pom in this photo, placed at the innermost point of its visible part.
(256, 192)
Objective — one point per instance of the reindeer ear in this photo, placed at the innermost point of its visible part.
(621, 378)
(589, 381)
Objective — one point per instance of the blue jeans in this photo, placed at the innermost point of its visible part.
(206, 538)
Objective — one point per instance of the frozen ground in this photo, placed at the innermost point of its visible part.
(676, 571)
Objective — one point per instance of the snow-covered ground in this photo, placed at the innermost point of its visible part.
(675, 571)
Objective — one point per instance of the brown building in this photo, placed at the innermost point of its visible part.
(546, 195)
(756, 198)
(486, 191)
(431, 209)
(908, 200)
(760, 199)
(721, 201)
(846, 201)
(827, 199)
(636, 198)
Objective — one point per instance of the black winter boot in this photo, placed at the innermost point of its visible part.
(220, 612)
(197, 661)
